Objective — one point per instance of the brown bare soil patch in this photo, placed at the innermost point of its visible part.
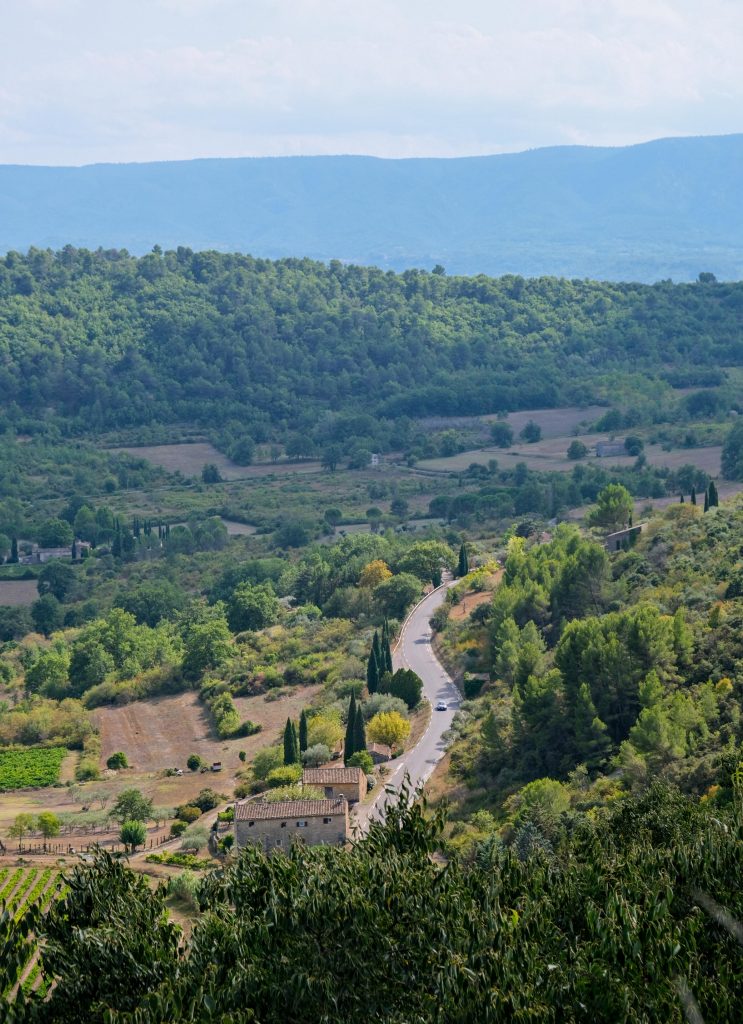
(554, 422)
(468, 604)
(18, 592)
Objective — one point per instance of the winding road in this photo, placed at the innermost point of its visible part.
(414, 650)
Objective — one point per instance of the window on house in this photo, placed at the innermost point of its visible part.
(301, 824)
(283, 824)
(326, 821)
(250, 824)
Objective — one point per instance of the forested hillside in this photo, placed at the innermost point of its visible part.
(100, 340)
(666, 209)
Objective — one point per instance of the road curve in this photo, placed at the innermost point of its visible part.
(414, 650)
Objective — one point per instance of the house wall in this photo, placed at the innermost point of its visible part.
(269, 834)
(353, 792)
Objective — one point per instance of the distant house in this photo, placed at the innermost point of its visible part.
(374, 459)
(275, 826)
(347, 782)
(607, 449)
(379, 752)
(38, 556)
(623, 538)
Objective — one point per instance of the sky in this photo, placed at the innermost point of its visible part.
(88, 81)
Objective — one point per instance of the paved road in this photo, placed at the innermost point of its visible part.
(415, 651)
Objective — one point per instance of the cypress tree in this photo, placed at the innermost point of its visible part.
(303, 731)
(74, 551)
(681, 498)
(359, 732)
(387, 655)
(706, 501)
(348, 747)
(464, 562)
(377, 648)
(291, 750)
(693, 495)
(14, 550)
(372, 672)
(714, 498)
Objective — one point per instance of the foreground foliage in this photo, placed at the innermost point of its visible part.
(624, 915)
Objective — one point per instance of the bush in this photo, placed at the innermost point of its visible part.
(185, 887)
(87, 770)
(248, 728)
(472, 686)
(284, 776)
(314, 756)
(116, 761)
(177, 828)
(266, 760)
(379, 702)
(577, 450)
(195, 837)
(194, 762)
(362, 759)
(188, 813)
(207, 800)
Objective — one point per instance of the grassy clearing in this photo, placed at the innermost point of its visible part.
(18, 592)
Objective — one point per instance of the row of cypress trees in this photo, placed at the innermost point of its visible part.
(380, 658)
(295, 741)
(711, 497)
(355, 740)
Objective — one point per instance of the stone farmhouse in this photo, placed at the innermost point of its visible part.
(623, 538)
(347, 782)
(275, 826)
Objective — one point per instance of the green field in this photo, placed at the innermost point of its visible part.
(36, 766)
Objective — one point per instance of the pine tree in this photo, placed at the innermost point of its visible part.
(693, 495)
(303, 731)
(592, 743)
(464, 562)
(291, 747)
(348, 748)
(359, 732)
(14, 550)
(372, 672)
(714, 499)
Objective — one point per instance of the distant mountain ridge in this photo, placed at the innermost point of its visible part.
(664, 209)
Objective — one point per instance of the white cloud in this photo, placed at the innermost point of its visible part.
(81, 80)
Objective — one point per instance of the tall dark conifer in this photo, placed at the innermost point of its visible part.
(14, 550)
(348, 747)
(706, 501)
(372, 672)
(464, 563)
(291, 747)
(693, 495)
(359, 732)
(303, 731)
(377, 648)
(714, 498)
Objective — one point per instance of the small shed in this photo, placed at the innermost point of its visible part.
(623, 538)
(606, 449)
(380, 752)
(347, 782)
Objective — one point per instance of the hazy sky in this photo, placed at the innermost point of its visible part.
(117, 80)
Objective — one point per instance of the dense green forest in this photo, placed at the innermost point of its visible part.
(605, 672)
(102, 340)
(631, 917)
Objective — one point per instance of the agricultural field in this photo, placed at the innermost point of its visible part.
(21, 889)
(17, 593)
(190, 459)
(30, 767)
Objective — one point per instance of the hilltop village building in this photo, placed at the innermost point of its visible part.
(275, 826)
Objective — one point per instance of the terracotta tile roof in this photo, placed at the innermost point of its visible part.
(264, 810)
(382, 748)
(330, 776)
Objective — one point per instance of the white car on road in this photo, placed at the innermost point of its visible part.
(442, 706)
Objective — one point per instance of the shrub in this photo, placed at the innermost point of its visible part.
(362, 759)
(188, 813)
(184, 887)
(285, 775)
(87, 770)
(472, 686)
(117, 761)
(195, 837)
(314, 756)
(577, 450)
(371, 781)
(194, 762)
(177, 828)
(388, 728)
(248, 728)
(266, 760)
(207, 800)
(379, 702)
